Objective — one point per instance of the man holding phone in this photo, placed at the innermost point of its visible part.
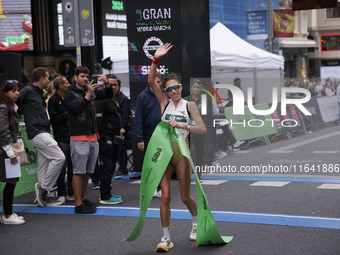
(79, 100)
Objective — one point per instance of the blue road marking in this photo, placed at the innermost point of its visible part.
(223, 216)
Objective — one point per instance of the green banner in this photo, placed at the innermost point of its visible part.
(15, 39)
(157, 158)
(248, 125)
(28, 172)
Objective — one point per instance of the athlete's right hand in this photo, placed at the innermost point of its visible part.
(163, 50)
(140, 146)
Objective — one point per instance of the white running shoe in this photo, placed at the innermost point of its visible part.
(157, 194)
(62, 199)
(222, 155)
(193, 234)
(237, 144)
(16, 215)
(165, 244)
(12, 220)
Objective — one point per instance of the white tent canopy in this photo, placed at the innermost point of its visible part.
(233, 57)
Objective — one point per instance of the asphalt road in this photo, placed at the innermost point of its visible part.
(295, 213)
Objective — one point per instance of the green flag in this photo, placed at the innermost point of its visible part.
(156, 160)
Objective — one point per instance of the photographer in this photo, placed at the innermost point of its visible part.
(108, 115)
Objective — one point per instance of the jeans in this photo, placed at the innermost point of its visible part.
(122, 159)
(108, 152)
(50, 159)
(228, 137)
(62, 191)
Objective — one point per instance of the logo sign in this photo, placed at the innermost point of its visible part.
(85, 14)
(158, 154)
(147, 47)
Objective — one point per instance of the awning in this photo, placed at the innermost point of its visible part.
(297, 43)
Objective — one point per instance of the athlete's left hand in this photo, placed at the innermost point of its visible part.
(174, 123)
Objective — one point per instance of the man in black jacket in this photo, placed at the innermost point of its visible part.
(108, 116)
(59, 121)
(79, 100)
(50, 157)
(124, 104)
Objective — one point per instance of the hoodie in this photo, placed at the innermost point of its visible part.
(148, 114)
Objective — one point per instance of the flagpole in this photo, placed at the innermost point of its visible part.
(270, 25)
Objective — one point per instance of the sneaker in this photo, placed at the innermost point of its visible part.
(89, 203)
(96, 186)
(38, 195)
(111, 201)
(53, 202)
(70, 198)
(157, 194)
(12, 220)
(116, 196)
(222, 155)
(165, 244)
(193, 234)
(121, 172)
(16, 215)
(237, 144)
(62, 199)
(85, 209)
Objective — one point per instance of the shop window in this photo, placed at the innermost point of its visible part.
(333, 13)
(330, 42)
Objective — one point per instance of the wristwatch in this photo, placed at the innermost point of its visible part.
(185, 126)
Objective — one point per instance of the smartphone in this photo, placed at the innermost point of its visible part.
(95, 79)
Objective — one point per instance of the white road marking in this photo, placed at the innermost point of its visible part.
(211, 182)
(329, 186)
(280, 152)
(326, 152)
(269, 184)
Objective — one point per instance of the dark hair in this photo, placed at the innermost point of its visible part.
(195, 81)
(169, 77)
(158, 74)
(97, 66)
(119, 83)
(111, 76)
(237, 79)
(38, 73)
(58, 80)
(81, 69)
(6, 86)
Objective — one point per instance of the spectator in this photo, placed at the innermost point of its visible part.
(67, 72)
(49, 92)
(329, 91)
(318, 88)
(108, 116)
(79, 101)
(10, 109)
(148, 116)
(50, 157)
(124, 104)
(58, 114)
(98, 70)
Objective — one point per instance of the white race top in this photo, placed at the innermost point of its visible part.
(180, 114)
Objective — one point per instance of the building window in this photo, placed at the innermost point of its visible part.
(333, 13)
(330, 42)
